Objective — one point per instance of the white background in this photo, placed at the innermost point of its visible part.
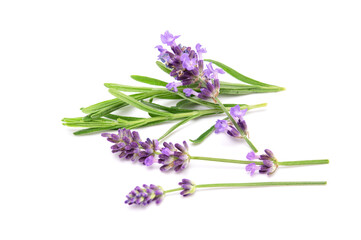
(55, 57)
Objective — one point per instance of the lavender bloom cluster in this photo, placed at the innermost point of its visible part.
(227, 126)
(188, 68)
(145, 195)
(174, 156)
(130, 146)
(269, 166)
(188, 186)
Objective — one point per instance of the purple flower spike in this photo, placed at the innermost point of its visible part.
(130, 146)
(252, 168)
(173, 85)
(146, 195)
(168, 38)
(188, 186)
(252, 156)
(221, 126)
(236, 112)
(174, 156)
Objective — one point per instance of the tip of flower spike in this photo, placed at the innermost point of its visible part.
(146, 195)
(188, 186)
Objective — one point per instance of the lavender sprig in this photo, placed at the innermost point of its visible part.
(148, 194)
(187, 68)
(177, 157)
(130, 146)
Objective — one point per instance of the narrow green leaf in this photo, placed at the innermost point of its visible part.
(91, 130)
(168, 109)
(185, 103)
(125, 118)
(148, 80)
(131, 101)
(163, 67)
(127, 88)
(119, 103)
(198, 101)
(100, 105)
(203, 135)
(178, 124)
(236, 74)
(167, 95)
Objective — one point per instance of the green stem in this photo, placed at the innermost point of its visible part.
(287, 163)
(173, 190)
(260, 184)
(236, 125)
(252, 184)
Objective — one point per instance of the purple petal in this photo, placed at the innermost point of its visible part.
(252, 156)
(188, 91)
(221, 126)
(149, 160)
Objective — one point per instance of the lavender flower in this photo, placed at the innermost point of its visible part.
(168, 38)
(200, 50)
(145, 195)
(148, 154)
(236, 112)
(174, 156)
(173, 85)
(182, 60)
(188, 186)
(130, 146)
(189, 91)
(210, 91)
(188, 63)
(252, 168)
(252, 156)
(212, 73)
(270, 163)
(227, 126)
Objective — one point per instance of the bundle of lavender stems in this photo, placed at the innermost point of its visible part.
(195, 83)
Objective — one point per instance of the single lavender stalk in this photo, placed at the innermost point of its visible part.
(148, 194)
(268, 164)
(176, 156)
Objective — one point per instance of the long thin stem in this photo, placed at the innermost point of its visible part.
(252, 184)
(260, 184)
(236, 125)
(173, 190)
(287, 163)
